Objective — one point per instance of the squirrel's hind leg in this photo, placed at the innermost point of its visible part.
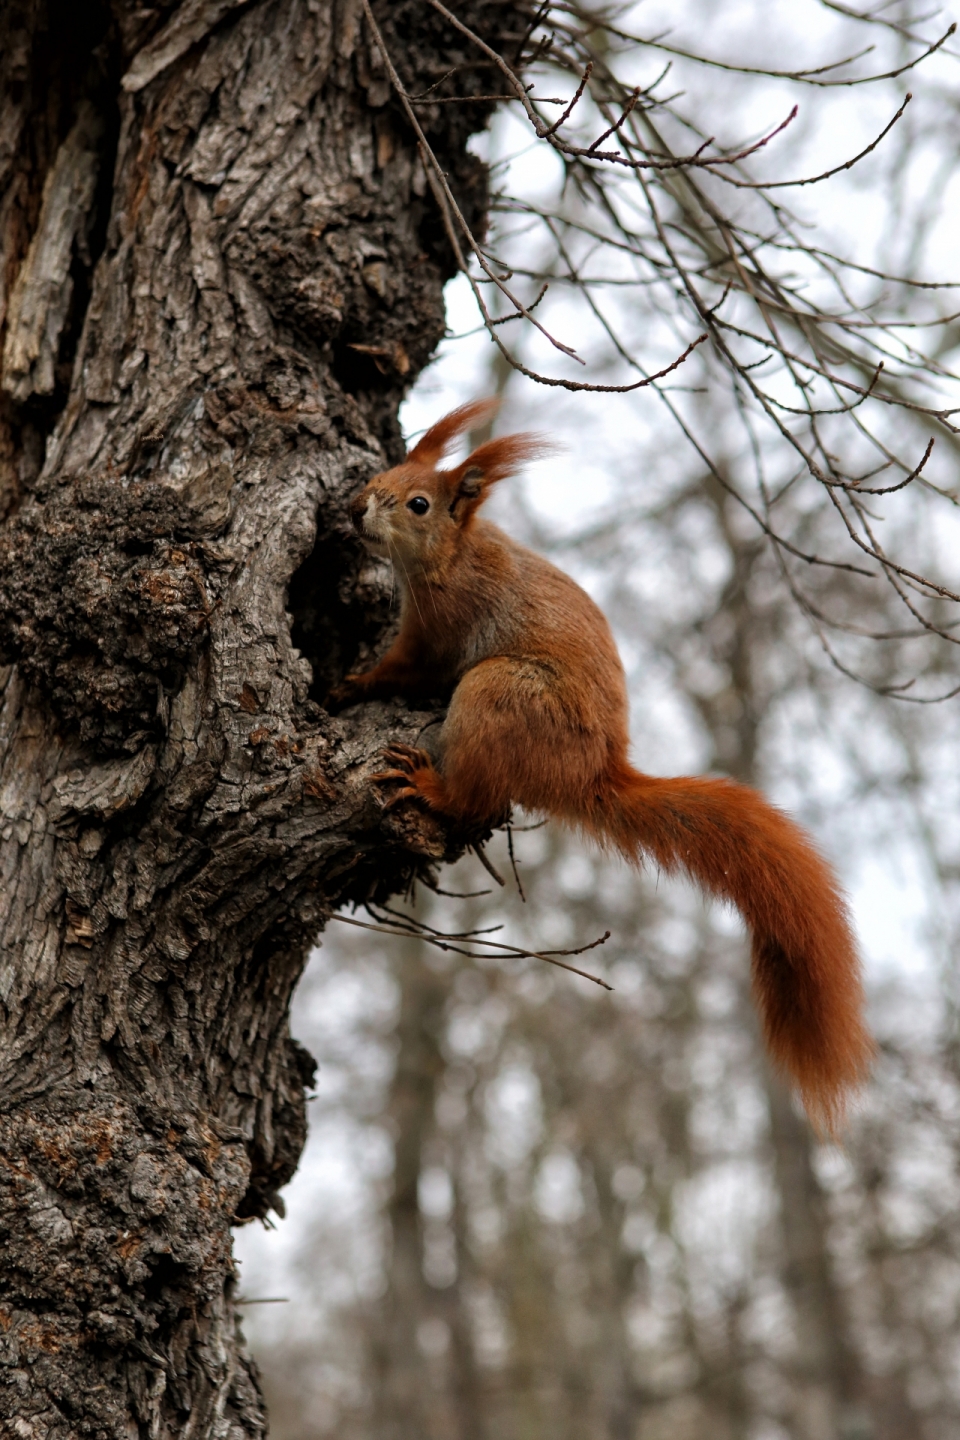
(513, 736)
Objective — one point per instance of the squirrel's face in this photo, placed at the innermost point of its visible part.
(418, 514)
(412, 514)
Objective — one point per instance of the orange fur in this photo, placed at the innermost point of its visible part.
(538, 717)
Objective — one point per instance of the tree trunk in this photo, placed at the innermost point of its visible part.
(203, 211)
(405, 1407)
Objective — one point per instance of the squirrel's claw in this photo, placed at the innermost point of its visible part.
(389, 775)
(408, 760)
(409, 792)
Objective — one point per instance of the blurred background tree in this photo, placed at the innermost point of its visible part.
(531, 1209)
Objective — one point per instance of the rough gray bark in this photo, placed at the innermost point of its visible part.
(202, 210)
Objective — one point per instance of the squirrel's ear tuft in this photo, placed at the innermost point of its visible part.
(469, 483)
(434, 445)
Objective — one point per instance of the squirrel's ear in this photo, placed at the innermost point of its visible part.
(434, 445)
(469, 484)
(465, 488)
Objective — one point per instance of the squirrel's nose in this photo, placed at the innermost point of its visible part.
(358, 509)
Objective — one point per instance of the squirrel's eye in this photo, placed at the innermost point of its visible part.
(419, 505)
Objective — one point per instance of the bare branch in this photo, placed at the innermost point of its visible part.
(499, 951)
(826, 174)
(801, 77)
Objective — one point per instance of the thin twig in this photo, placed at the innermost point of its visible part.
(501, 952)
(612, 129)
(513, 862)
(487, 864)
(892, 489)
(552, 129)
(826, 174)
(802, 77)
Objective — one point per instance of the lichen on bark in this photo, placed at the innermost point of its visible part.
(220, 270)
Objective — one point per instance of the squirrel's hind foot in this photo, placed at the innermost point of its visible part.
(415, 769)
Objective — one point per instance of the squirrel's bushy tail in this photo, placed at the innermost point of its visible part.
(806, 970)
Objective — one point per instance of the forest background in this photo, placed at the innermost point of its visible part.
(529, 1208)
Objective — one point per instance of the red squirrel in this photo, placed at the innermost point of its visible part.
(538, 718)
